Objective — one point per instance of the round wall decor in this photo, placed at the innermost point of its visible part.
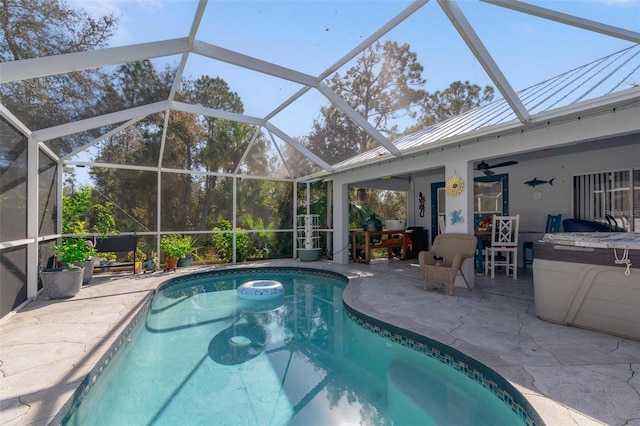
(454, 185)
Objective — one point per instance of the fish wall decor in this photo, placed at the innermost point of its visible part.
(535, 182)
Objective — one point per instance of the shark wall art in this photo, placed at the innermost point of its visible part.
(535, 182)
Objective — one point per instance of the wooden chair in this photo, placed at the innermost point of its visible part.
(442, 224)
(502, 250)
(454, 249)
(553, 225)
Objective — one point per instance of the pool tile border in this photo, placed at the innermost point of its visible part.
(472, 368)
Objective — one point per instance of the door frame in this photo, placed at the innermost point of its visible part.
(440, 185)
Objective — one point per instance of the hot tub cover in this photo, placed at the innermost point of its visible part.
(621, 240)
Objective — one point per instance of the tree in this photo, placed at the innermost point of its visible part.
(335, 137)
(30, 29)
(34, 29)
(213, 93)
(298, 163)
(224, 141)
(382, 86)
(192, 142)
(133, 191)
(458, 98)
(134, 84)
(69, 185)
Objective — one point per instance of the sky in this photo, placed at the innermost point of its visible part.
(310, 36)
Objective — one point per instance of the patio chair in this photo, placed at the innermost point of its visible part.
(553, 225)
(453, 249)
(502, 251)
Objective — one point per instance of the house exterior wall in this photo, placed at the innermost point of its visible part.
(556, 198)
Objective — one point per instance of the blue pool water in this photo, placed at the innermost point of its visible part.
(201, 355)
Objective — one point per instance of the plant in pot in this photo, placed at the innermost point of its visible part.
(79, 213)
(150, 263)
(137, 258)
(175, 247)
(187, 259)
(308, 237)
(66, 281)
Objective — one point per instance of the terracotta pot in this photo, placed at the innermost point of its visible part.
(172, 263)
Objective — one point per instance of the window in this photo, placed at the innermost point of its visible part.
(487, 197)
(612, 198)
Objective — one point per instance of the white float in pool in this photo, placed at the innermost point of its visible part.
(261, 290)
(240, 341)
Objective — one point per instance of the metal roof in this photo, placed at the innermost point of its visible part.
(614, 73)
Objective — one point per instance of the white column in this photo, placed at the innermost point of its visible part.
(330, 219)
(340, 223)
(32, 215)
(234, 220)
(461, 206)
(295, 220)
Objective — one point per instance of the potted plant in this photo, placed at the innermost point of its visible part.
(150, 263)
(308, 238)
(137, 258)
(77, 211)
(187, 259)
(66, 281)
(175, 247)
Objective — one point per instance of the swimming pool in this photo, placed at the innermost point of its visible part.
(198, 354)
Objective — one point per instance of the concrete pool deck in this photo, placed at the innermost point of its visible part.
(569, 375)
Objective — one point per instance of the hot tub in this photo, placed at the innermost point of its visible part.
(578, 281)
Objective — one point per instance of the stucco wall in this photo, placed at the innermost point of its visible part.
(554, 198)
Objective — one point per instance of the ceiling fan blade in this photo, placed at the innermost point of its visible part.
(488, 172)
(506, 163)
(482, 166)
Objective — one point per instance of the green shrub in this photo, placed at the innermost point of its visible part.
(224, 242)
(77, 209)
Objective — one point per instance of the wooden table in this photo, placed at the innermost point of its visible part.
(388, 240)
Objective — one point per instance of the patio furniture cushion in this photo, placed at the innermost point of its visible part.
(553, 225)
(580, 225)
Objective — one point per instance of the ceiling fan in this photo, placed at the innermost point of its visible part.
(484, 167)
